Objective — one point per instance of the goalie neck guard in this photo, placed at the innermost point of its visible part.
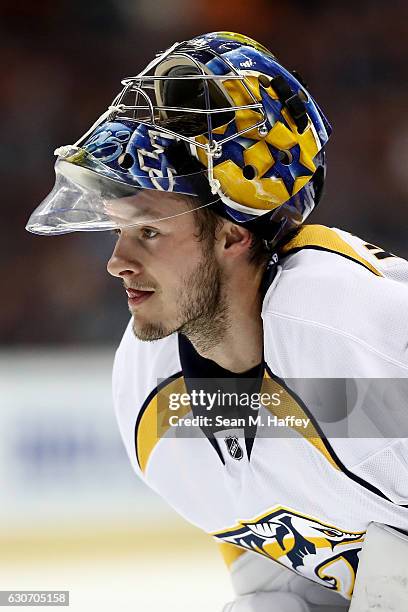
(217, 118)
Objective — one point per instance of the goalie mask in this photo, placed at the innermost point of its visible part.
(216, 118)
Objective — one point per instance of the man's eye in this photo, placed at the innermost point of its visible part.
(149, 234)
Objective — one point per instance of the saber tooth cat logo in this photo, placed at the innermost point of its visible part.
(326, 554)
(108, 144)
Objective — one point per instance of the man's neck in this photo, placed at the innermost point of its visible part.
(239, 344)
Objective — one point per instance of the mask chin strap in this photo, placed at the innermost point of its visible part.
(214, 183)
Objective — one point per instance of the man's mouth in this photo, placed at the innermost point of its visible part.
(136, 296)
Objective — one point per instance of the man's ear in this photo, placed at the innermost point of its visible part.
(236, 238)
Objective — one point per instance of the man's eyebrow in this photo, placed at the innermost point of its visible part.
(140, 213)
(149, 214)
(143, 215)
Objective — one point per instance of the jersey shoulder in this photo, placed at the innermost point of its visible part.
(330, 268)
(334, 289)
(345, 245)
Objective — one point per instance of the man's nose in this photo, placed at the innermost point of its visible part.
(123, 261)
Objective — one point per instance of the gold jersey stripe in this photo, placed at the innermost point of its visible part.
(319, 236)
(289, 406)
(154, 422)
(230, 552)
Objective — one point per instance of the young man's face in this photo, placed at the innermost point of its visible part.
(172, 279)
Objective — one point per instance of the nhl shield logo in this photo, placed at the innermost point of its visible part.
(234, 448)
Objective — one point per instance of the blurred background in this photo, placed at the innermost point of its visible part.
(70, 505)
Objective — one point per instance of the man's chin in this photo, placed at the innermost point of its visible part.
(148, 332)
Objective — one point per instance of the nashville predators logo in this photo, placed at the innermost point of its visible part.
(326, 554)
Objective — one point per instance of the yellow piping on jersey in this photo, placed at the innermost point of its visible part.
(321, 237)
(230, 552)
(155, 420)
(289, 406)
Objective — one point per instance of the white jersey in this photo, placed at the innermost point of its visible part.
(336, 308)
